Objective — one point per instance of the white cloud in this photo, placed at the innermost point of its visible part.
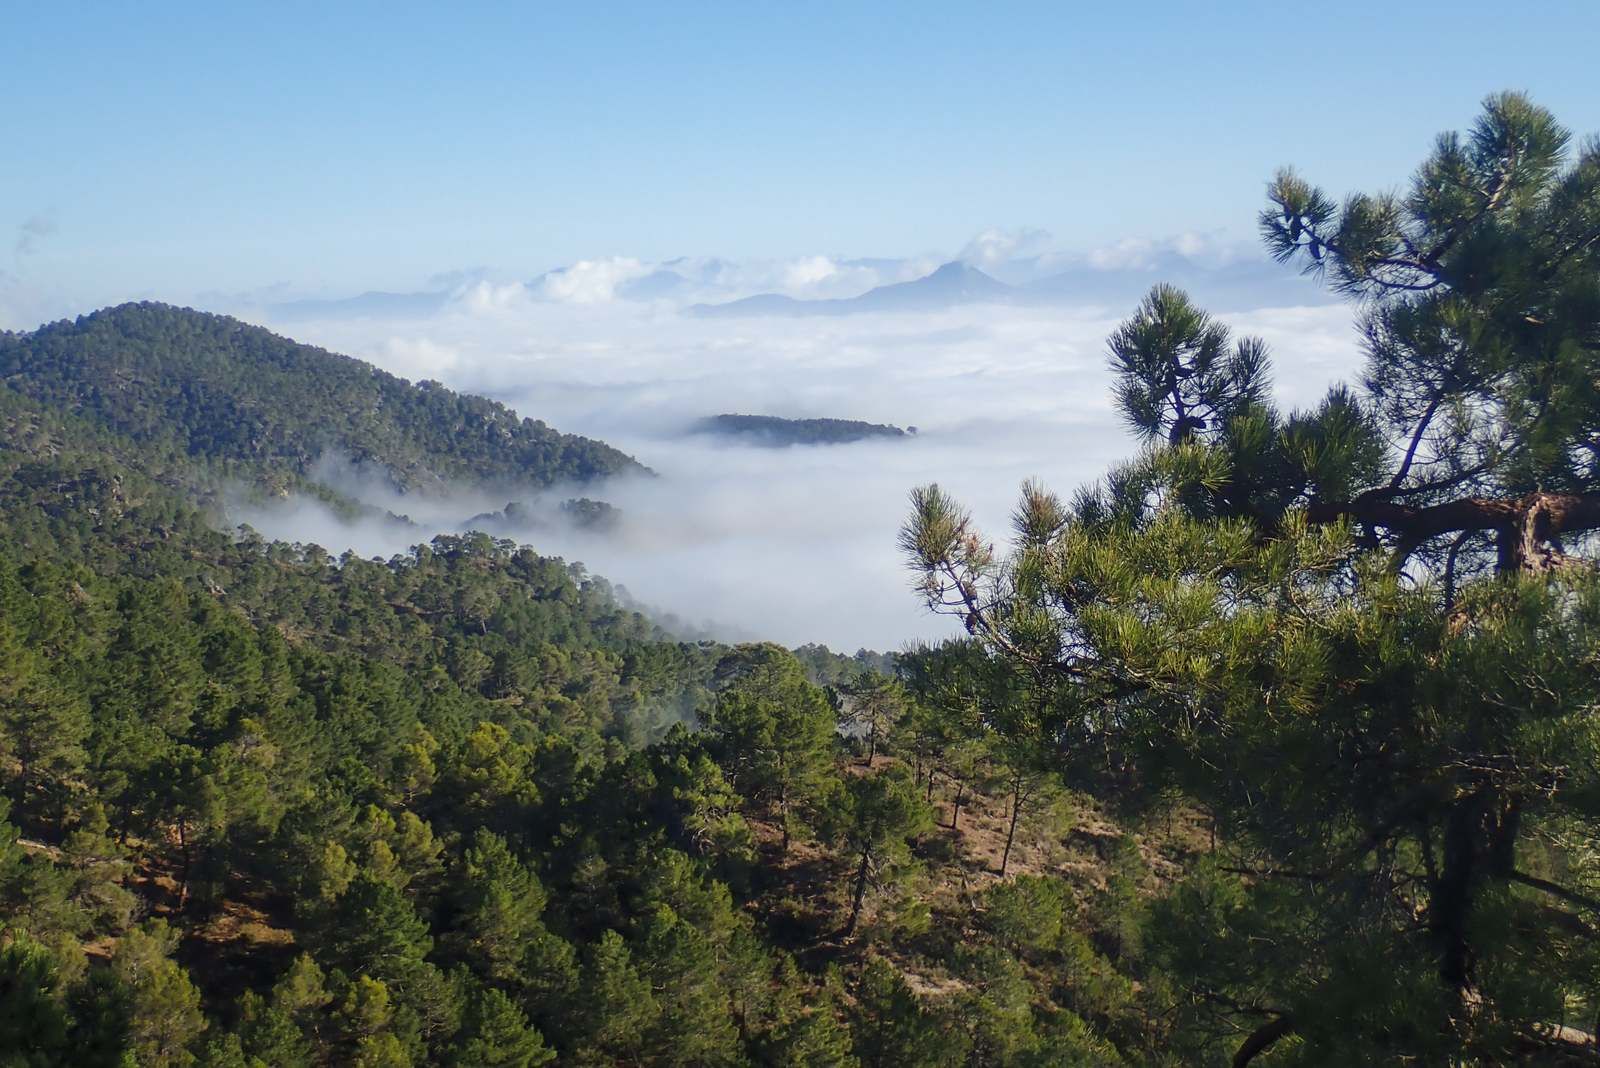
(806, 272)
(417, 358)
(1143, 253)
(995, 246)
(1190, 245)
(591, 281)
(460, 277)
(485, 297)
(1131, 253)
(806, 277)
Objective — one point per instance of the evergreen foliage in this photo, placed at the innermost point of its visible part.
(774, 430)
(1354, 637)
(210, 387)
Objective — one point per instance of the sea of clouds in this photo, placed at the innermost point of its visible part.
(791, 544)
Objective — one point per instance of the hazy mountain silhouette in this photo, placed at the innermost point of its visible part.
(1234, 286)
(952, 284)
(371, 305)
(1231, 286)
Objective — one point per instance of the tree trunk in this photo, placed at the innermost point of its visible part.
(183, 876)
(1011, 831)
(955, 813)
(783, 818)
(1450, 895)
(24, 754)
(860, 893)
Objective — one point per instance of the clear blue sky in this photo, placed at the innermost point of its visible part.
(170, 148)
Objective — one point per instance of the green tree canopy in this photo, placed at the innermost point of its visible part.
(773, 729)
(1277, 616)
(871, 817)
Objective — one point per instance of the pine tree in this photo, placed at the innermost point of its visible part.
(619, 1007)
(1178, 374)
(164, 1017)
(1479, 315)
(870, 818)
(42, 728)
(498, 902)
(1279, 617)
(495, 1034)
(773, 730)
(382, 1050)
(891, 1027)
(371, 928)
(870, 706)
(34, 1023)
(279, 1029)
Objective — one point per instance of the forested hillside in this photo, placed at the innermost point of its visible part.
(1278, 745)
(775, 431)
(267, 807)
(250, 402)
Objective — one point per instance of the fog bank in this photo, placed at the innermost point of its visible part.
(793, 544)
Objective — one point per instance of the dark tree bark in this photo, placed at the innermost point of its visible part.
(1261, 1038)
(1480, 838)
(860, 892)
(783, 818)
(183, 875)
(1011, 831)
(1527, 529)
(1450, 897)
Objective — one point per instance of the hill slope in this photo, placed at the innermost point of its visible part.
(238, 396)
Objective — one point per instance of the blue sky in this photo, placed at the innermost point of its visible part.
(165, 149)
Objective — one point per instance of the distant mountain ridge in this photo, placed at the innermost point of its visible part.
(1230, 286)
(1114, 281)
(241, 398)
(951, 284)
(370, 305)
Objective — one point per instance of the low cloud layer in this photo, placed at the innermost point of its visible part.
(794, 544)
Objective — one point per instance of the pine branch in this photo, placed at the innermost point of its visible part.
(1571, 897)
(1263, 1037)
